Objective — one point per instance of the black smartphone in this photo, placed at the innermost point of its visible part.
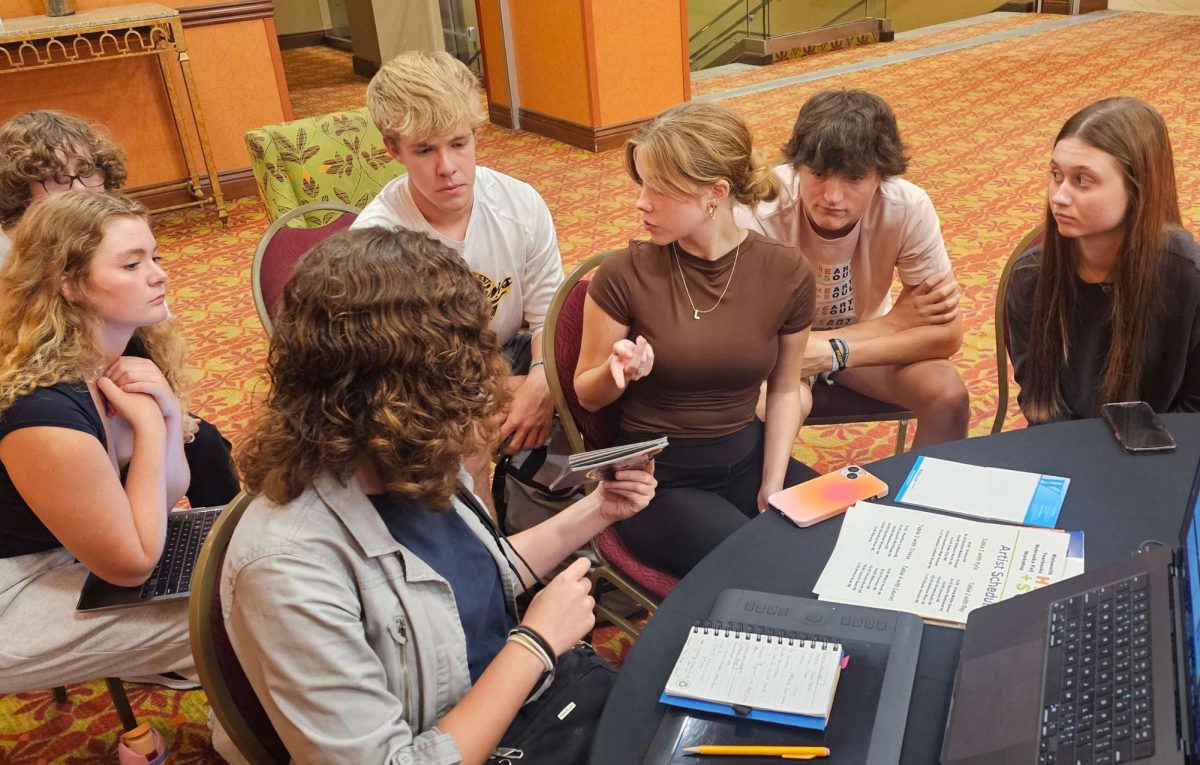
(1137, 428)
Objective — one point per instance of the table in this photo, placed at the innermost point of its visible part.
(1117, 499)
(122, 31)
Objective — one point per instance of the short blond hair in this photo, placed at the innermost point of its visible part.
(420, 94)
(694, 145)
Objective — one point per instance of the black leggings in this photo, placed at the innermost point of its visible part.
(214, 481)
(707, 489)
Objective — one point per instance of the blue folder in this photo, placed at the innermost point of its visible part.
(782, 718)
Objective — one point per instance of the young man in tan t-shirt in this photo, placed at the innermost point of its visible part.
(859, 224)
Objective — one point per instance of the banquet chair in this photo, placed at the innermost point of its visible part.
(1028, 242)
(336, 157)
(230, 695)
(282, 246)
(561, 336)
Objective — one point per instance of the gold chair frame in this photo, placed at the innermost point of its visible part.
(1001, 329)
(200, 615)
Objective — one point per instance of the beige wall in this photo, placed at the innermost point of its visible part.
(913, 14)
(381, 29)
(790, 16)
(293, 16)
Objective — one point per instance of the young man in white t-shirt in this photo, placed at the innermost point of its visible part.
(844, 204)
(427, 107)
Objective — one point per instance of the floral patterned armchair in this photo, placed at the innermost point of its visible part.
(338, 157)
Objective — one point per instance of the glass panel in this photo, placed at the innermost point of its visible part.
(460, 32)
(877, 9)
(791, 16)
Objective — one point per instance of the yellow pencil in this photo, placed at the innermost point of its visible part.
(786, 752)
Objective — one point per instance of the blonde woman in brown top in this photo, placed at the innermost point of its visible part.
(684, 328)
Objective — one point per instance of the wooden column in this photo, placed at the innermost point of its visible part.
(588, 72)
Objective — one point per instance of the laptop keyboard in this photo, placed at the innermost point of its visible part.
(1097, 696)
(185, 534)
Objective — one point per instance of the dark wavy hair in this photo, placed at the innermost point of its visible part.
(1134, 134)
(29, 143)
(847, 132)
(382, 353)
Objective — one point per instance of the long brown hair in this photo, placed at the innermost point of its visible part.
(381, 353)
(46, 339)
(1135, 135)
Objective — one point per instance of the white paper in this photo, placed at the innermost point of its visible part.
(776, 674)
(1014, 496)
(936, 566)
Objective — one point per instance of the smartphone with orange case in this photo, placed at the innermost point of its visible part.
(826, 496)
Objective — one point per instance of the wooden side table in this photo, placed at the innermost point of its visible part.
(123, 31)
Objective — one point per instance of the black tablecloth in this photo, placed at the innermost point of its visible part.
(1118, 499)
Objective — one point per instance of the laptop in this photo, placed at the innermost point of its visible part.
(171, 578)
(1101, 668)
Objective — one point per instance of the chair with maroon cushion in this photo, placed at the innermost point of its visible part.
(586, 430)
(1033, 239)
(282, 246)
(229, 691)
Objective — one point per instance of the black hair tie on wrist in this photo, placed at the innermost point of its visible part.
(535, 637)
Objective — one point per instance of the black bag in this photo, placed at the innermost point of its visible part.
(520, 491)
(557, 727)
(557, 723)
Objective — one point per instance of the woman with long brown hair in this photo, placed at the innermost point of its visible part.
(91, 443)
(368, 596)
(1108, 309)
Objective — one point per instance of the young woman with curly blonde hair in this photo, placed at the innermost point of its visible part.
(367, 596)
(91, 443)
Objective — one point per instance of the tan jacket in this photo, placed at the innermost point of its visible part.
(352, 643)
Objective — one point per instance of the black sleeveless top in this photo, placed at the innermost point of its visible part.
(65, 405)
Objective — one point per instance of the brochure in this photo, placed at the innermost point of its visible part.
(1014, 496)
(601, 464)
(940, 567)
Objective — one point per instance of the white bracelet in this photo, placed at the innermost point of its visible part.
(532, 647)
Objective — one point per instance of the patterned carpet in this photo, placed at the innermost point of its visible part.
(979, 126)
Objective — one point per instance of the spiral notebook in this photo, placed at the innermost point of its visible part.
(765, 675)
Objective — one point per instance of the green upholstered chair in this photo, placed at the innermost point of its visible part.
(338, 157)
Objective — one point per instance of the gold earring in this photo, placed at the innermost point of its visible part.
(712, 211)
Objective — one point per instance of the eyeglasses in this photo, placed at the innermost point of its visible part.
(92, 180)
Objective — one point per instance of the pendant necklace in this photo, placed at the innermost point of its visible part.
(1105, 287)
(696, 312)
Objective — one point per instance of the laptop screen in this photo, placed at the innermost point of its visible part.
(1190, 550)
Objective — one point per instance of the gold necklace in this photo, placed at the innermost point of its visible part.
(696, 312)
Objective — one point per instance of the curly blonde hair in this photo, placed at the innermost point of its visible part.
(381, 353)
(46, 339)
(29, 146)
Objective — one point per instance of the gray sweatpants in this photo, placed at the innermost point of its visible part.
(44, 642)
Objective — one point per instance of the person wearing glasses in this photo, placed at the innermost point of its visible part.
(47, 152)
